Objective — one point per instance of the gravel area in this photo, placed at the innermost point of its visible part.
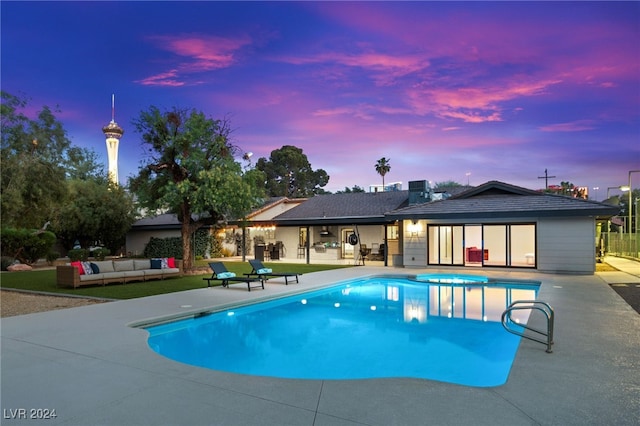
(14, 303)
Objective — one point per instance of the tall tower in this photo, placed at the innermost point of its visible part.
(113, 132)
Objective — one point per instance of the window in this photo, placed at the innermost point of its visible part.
(482, 245)
(392, 232)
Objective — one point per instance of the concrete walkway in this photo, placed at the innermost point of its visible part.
(91, 367)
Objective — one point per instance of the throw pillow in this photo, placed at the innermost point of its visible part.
(225, 275)
(172, 262)
(86, 266)
(156, 263)
(264, 271)
(165, 263)
(78, 266)
(95, 268)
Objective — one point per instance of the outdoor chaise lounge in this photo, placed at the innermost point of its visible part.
(260, 271)
(220, 273)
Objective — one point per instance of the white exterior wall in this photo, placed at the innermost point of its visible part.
(274, 211)
(566, 245)
(137, 241)
(289, 237)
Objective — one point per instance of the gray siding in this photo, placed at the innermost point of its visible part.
(566, 245)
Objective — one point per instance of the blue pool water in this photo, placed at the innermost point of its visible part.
(371, 328)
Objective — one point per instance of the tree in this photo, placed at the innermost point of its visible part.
(447, 184)
(348, 190)
(383, 167)
(97, 211)
(191, 172)
(37, 159)
(288, 173)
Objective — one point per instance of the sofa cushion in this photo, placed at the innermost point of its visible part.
(78, 266)
(86, 266)
(123, 265)
(105, 266)
(141, 264)
(92, 277)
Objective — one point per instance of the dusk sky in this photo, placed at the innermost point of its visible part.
(463, 91)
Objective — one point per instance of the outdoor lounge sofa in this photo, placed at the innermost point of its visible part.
(263, 273)
(220, 273)
(104, 272)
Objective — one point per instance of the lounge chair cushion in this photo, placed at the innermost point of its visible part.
(264, 271)
(225, 275)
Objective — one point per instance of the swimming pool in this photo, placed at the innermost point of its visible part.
(371, 328)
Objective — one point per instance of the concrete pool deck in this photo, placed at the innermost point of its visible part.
(91, 367)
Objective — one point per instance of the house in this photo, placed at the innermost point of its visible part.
(321, 228)
(167, 225)
(492, 225)
(501, 225)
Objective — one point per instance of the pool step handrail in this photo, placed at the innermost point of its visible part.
(543, 307)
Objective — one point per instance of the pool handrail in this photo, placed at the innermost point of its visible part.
(538, 305)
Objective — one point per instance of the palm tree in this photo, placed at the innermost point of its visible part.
(383, 167)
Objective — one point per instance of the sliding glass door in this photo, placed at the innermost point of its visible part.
(482, 245)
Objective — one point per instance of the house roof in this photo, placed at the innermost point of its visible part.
(161, 221)
(272, 202)
(496, 199)
(353, 207)
(492, 199)
(170, 220)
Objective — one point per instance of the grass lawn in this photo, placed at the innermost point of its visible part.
(45, 280)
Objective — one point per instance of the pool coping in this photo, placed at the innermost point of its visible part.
(93, 368)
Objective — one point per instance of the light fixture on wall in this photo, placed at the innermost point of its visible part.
(414, 227)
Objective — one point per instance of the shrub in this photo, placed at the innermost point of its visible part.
(52, 256)
(5, 262)
(164, 247)
(101, 253)
(78, 254)
(27, 245)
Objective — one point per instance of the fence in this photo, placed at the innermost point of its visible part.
(622, 244)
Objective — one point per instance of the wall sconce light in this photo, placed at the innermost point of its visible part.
(414, 227)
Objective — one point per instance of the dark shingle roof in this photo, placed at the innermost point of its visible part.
(348, 207)
(498, 199)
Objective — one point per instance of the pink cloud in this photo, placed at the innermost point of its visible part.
(574, 126)
(167, 79)
(385, 68)
(473, 104)
(201, 53)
